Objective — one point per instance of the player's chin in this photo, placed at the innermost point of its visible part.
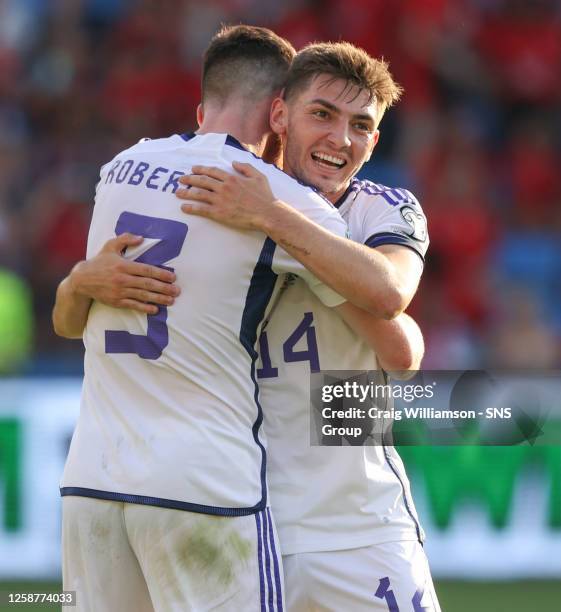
(325, 184)
(331, 182)
(328, 186)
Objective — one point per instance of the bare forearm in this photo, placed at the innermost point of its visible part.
(70, 313)
(361, 274)
(382, 281)
(398, 344)
(114, 281)
(378, 281)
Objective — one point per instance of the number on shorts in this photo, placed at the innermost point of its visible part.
(384, 592)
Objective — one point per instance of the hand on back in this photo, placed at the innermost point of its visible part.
(113, 280)
(241, 200)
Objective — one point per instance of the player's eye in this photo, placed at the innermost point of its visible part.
(320, 113)
(362, 127)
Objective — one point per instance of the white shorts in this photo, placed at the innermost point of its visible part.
(391, 577)
(136, 558)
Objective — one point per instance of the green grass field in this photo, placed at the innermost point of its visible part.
(521, 596)
(455, 596)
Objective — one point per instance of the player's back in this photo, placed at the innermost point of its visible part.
(170, 412)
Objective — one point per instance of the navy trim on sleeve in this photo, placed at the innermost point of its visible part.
(377, 240)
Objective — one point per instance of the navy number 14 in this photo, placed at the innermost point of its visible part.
(304, 329)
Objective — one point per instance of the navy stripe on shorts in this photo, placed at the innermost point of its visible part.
(270, 586)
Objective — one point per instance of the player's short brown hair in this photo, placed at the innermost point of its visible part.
(342, 60)
(246, 61)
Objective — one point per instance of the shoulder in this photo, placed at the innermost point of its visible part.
(386, 215)
(284, 186)
(146, 146)
(387, 198)
(377, 203)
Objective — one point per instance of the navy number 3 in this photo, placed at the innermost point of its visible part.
(171, 235)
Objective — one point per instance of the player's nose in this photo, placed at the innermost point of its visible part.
(339, 135)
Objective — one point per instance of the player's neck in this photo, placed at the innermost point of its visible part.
(250, 128)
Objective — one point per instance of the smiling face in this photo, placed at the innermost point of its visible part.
(328, 132)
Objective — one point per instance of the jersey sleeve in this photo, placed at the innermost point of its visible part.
(396, 219)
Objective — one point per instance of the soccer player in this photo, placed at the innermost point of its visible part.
(391, 337)
(165, 498)
(349, 532)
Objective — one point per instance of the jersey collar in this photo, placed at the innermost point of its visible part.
(230, 140)
(354, 185)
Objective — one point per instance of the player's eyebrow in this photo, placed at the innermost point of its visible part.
(337, 110)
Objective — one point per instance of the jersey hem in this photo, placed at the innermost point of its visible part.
(345, 543)
(160, 502)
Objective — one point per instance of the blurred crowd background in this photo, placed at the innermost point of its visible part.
(477, 138)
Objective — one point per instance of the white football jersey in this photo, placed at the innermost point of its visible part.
(170, 412)
(329, 498)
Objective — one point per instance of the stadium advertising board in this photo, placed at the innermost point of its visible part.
(489, 512)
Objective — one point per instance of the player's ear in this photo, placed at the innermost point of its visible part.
(278, 116)
(375, 138)
(200, 114)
